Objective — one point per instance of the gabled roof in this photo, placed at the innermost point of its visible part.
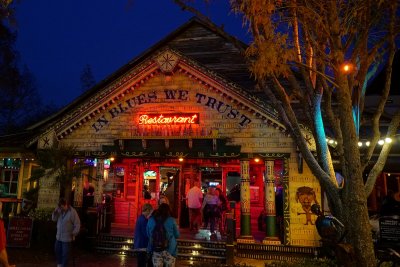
(203, 49)
(214, 50)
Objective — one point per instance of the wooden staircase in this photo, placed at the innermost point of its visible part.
(113, 244)
(195, 251)
(190, 250)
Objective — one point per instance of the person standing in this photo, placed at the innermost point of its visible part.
(146, 193)
(87, 201)
(141, 239)
(195, 198)
(68, 226)
(168, 255)
(3, 243)
(88, 195)
(222, 209)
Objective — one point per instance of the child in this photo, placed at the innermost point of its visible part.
(140, 238)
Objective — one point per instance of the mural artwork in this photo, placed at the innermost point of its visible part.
(307, 197)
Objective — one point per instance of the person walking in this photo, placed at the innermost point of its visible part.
(162, 226)
(195, 198)
(68, 226)
(3, 242)
(210, 210)
(141, 239)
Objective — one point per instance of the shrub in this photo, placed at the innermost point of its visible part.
(304, 263)
(211, 264)
(41, 214)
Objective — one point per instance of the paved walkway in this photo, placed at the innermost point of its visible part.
(33, 257)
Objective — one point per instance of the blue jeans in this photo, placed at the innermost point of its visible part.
(62, 250)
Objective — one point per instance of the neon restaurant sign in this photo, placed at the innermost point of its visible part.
(167, 119)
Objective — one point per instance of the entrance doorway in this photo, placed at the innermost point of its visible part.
(211, 177)
(169, 187)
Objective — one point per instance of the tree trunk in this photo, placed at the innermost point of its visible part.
(355, 210)
(357, 221)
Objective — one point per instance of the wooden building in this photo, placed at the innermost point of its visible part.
(187, 109)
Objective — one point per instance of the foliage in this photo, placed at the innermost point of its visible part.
(306, 262)
(21, 104)
(213, 264)
(43, 215)
(33, 193)
(54, 162)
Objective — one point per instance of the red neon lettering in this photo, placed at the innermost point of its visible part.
(161, 119)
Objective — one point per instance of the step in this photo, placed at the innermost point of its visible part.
(201, 258)
(109, 237)
(117, 251)
(113, 244)
(202, 251)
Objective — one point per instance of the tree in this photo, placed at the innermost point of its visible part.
(298, 56)
(20, 101)
(87, 78)
(57, 162)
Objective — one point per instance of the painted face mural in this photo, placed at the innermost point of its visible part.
(306, 196)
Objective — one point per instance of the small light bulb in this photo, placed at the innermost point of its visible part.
(388, 140)
(359, 143)
(381, 142)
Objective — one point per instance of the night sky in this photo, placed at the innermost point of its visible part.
(57, 39)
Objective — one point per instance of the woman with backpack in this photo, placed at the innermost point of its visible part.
(162, 231)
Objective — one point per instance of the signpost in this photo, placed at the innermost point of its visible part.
(389, 228)
(19, 232)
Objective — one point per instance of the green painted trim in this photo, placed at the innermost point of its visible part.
(245, 225)
(271, 226)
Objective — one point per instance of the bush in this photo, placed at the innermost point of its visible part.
(41, 214)
(304, 263)
(210, 264)
(44, 229)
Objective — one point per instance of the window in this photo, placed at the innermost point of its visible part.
(9, 180)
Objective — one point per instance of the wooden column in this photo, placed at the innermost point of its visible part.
(245, 219)
(270, 207)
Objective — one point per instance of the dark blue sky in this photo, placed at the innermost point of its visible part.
(58, 38)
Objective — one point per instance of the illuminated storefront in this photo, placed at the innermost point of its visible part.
(165, 121)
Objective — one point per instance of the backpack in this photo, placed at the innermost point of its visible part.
(159, 237)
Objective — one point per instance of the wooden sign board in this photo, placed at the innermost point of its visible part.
(389, 228)
(19, 232)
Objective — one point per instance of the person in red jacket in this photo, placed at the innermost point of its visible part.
(3, 251)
